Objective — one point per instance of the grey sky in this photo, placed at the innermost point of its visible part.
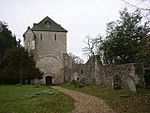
(79, 17)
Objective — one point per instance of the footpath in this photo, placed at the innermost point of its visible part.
(86, 103)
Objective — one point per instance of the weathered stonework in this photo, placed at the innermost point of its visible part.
(47, 41)
(94, 72)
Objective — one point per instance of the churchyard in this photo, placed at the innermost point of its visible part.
(33, 99)
(115, 78)
(121, 100)
(43, 99)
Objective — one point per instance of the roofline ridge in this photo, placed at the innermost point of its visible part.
(47, 18)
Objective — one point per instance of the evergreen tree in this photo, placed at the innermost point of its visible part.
(124, 38)
(7, 40)
(16, 65)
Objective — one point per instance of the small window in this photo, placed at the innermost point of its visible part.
(40, 36)
(55, 37)
(48, 24)
(81, 71)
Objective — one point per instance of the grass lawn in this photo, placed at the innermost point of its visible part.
(31, 99)
(123, 101)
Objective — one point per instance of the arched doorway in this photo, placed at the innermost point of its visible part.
(51, 66)
(147, 78)
(48, 80)
(117, 82)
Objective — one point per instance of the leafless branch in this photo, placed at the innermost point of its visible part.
(92, 45)
(146, 9)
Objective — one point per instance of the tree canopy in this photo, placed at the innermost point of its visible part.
(7, 39)
(124, 39)
(127, 40)
(17, 65)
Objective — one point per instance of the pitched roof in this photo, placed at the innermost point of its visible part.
(52, 26)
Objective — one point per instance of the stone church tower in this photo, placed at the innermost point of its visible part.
(47, 41)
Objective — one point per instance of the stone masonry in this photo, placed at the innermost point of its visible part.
(47, 41)
(94, 72)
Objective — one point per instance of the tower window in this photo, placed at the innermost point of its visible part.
(48, 24)
(40, 36)
(55, 37)
(81, 71)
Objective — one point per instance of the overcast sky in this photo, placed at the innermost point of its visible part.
(79, 17)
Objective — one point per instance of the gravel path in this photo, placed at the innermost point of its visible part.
(85, 103)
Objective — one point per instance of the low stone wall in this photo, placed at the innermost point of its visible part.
(93, 72)
(134, 71)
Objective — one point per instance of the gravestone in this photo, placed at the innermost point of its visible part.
(131, 84)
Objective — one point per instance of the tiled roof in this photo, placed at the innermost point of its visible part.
(47, 24)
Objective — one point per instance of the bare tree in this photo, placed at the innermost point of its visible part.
(146, 8)
(142, 5)
(92, 45)
(89, 48)
(76, 59)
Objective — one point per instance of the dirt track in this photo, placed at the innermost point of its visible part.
(85, 103)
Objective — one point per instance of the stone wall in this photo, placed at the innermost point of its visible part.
(48, 49)
(134, 71)
(53, 43)
(93, 72)
(84, 72)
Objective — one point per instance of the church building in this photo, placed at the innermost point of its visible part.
(47, 41)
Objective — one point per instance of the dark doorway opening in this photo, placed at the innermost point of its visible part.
(117, 82)
(48, 80)
(147, 78)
